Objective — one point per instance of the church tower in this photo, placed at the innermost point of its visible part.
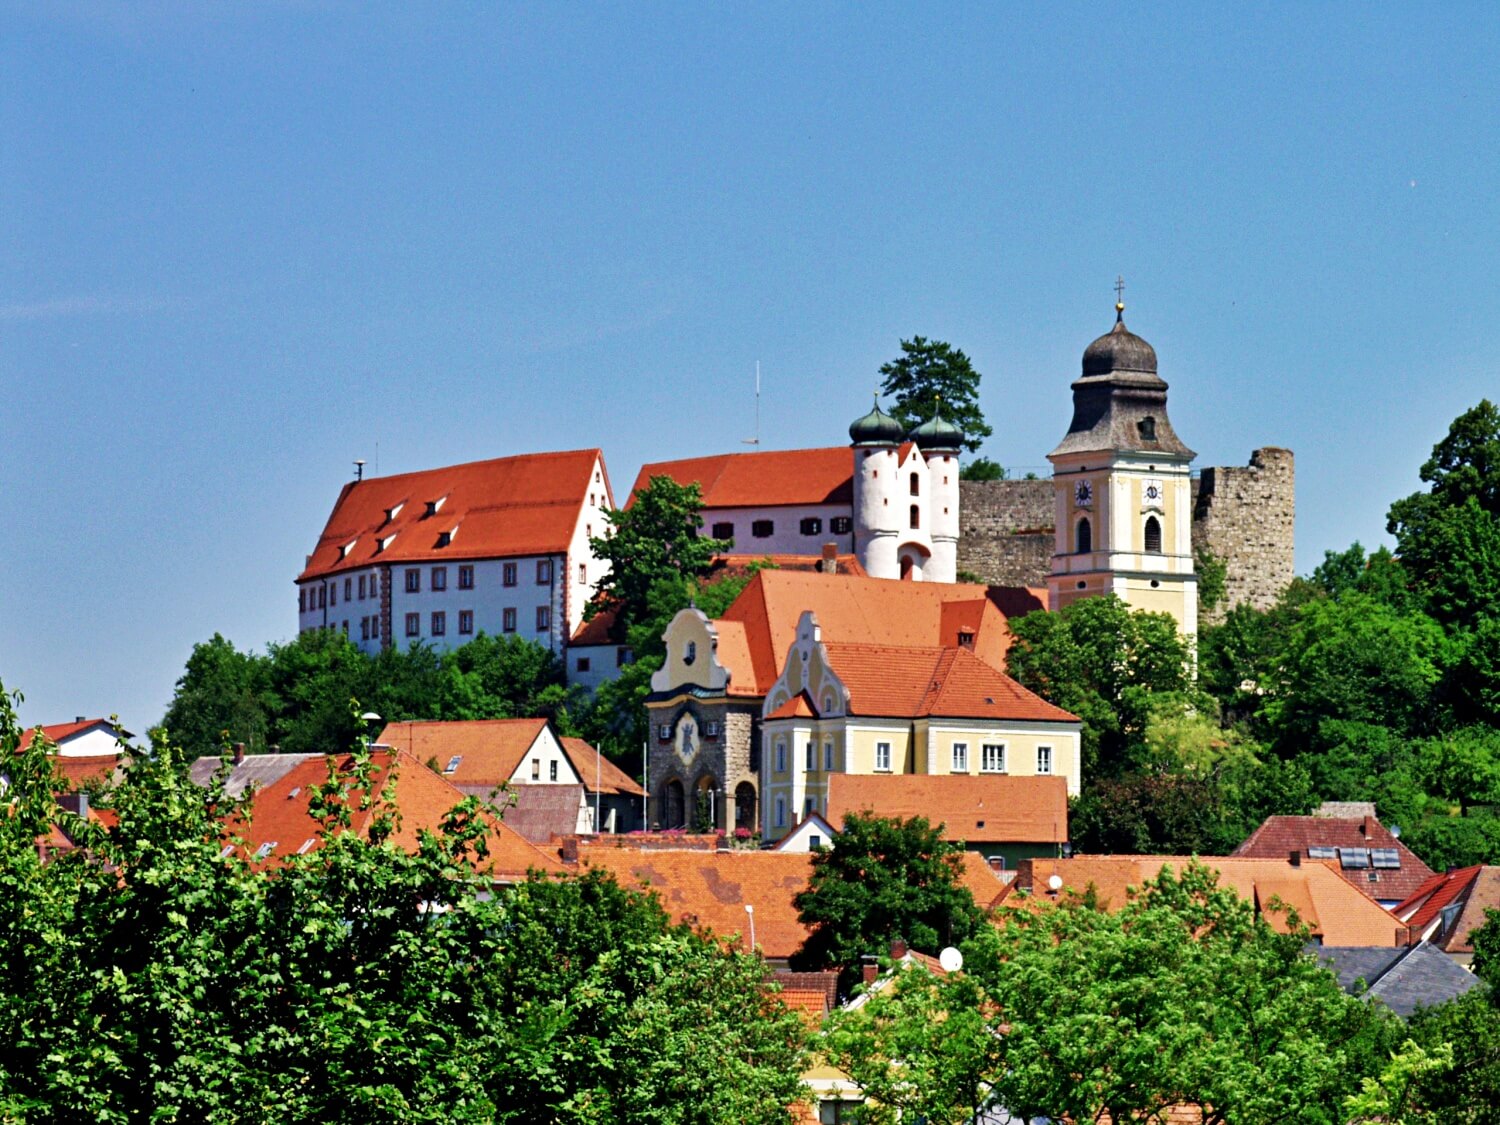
(1122, 487)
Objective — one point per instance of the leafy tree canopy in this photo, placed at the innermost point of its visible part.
(982, 468)
(928, 371)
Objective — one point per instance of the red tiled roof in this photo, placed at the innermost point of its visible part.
(797, 707)
(984, 809)
(854, 610)
(1437, 891)
(593, 767)
(739, 564)
(279, 814)
(1279, 836)
(1466, 893)
(774, 478)
(489, 750)
(76, 771)
(58, 733)
(712, 888)
(599, 629)
(527, 505)
(1335, 912)
(984, 882)
(934, 682)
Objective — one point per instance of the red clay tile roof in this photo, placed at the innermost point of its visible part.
(57, 733)
(856, 611)
(279, 815)
(798, 707)
(987, 885)
(593, 767)
(527, 505)
(989, 809)
(773, 478)
(599, 629)
(489, 750)
(76, 771)
(1437, 891)
(1468, 891)
(936, 682)
(724, 565)
(712, 888)
(1279, 836)
(1336, 913)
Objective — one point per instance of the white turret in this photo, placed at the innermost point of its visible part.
(940, 442)
(876, 439)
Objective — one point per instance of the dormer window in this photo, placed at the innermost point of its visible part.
(1147, 428)
(444, 538)
(382, 544)
(346, 548)
(435, 506)
(394, 511)
(965, 639)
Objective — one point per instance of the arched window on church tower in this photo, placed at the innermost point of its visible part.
(916, 485)
(1085, 536)
(1153, 535)
(916, 516)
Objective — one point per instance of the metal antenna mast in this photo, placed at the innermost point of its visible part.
(756, 439)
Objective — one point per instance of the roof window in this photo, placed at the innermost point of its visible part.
(452, 765)
(346, 548)
(393, 511)
(436, 506)
(307, 845)
(265, 849)
(382, 544)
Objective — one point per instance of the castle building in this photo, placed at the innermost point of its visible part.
(891, 499)
(438, 556)
(1122, 488)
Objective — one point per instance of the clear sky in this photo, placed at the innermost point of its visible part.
(245, 244)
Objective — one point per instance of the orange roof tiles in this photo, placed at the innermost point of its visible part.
(935, 682)
(773, 478)
(597, 771)
(58, 733)
(987, 885)
(1279, 836)
(1336, 913)
(526, 505)
(854, 610)
(489, 750)
(279, 815)
(712, 889)
(76, 771)
(983, 809)
(1464, 895)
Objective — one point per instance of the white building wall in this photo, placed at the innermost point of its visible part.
(545, 755)
(100, 740)
(787, 537)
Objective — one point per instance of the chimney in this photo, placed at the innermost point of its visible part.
(997, 863)
(1366, 827)
(239, 752)
(830, 561)
(570, 849)
(81, 719)
(898, 948)
(1295, 858)
(871, 970)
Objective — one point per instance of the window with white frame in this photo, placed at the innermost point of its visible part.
(960, 757)
(413, 624)
(812, 756)
(1043, 759)
(508, 620)
(413, 581)
(439, 623)
(439, 578)
(544, 572)
(883, 756)
(508, 574)
(992, 757)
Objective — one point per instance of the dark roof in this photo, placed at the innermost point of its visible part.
(1404, 980)
(876, 428)
(257, 770)
(542, 811)
(1279, 836)
(938, 433)
(1120, 403)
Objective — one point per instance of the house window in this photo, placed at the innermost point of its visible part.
(439, 623)
(965, 639)
(466, 578)
(916, 516)
(811, 757)
(814, 841)
(543, 618)
(508, 621)
(536, 769)
(1153, 535)
(780, 756)
(809, 806)
(583, 574)
(301, 601)
(763, 529)
(622, 656)
(552, 770)
(346, 628)
(960, 757)
(828, 754)
(508, 574)
(361, 587)
(724, 530)
(883, 756)
(711, 730)
(544, 572)
(841, 525)
(440, 578)
(364, 628)
(413, 581)
(916, 485)
(1044, 759)
(992, 758)
(1085, 536)
(333, 593)
(780, 812)
(413, 624)
(812, 525)
(466, 621)
(322, 597)
(348, 589)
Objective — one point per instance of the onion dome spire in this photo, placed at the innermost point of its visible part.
(876, 428)
(937, 433)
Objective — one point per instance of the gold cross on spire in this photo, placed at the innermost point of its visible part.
(1119, 298)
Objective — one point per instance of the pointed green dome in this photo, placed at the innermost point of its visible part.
(876, 428)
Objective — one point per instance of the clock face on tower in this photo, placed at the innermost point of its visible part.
(1152, 492)
(1083, 494)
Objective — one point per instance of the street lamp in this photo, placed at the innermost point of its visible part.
(750, 910)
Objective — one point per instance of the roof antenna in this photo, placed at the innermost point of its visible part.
(359, 469)
(756, 439)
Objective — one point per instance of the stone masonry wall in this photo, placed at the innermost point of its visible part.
(1247, 517)
(1005, 531)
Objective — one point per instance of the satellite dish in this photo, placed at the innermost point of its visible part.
(951, 960)
(1054, 883)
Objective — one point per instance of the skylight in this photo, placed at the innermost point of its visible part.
(265, 849)
(307, 845)
(452, 765)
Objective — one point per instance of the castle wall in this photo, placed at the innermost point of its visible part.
(1246, 517)
(1005, 532)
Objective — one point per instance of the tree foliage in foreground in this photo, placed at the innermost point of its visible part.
(151, 978)
(1183, 996)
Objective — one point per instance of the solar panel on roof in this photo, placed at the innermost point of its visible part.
(1385, 857)
(1322, 853)
(1354, 858)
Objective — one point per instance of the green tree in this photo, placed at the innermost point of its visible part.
(221, 697)
(1212, 573)
(930, 376)
(1468, 1091)
(880, 879)
(982, 468)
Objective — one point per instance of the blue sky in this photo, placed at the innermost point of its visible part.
(247, 244)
